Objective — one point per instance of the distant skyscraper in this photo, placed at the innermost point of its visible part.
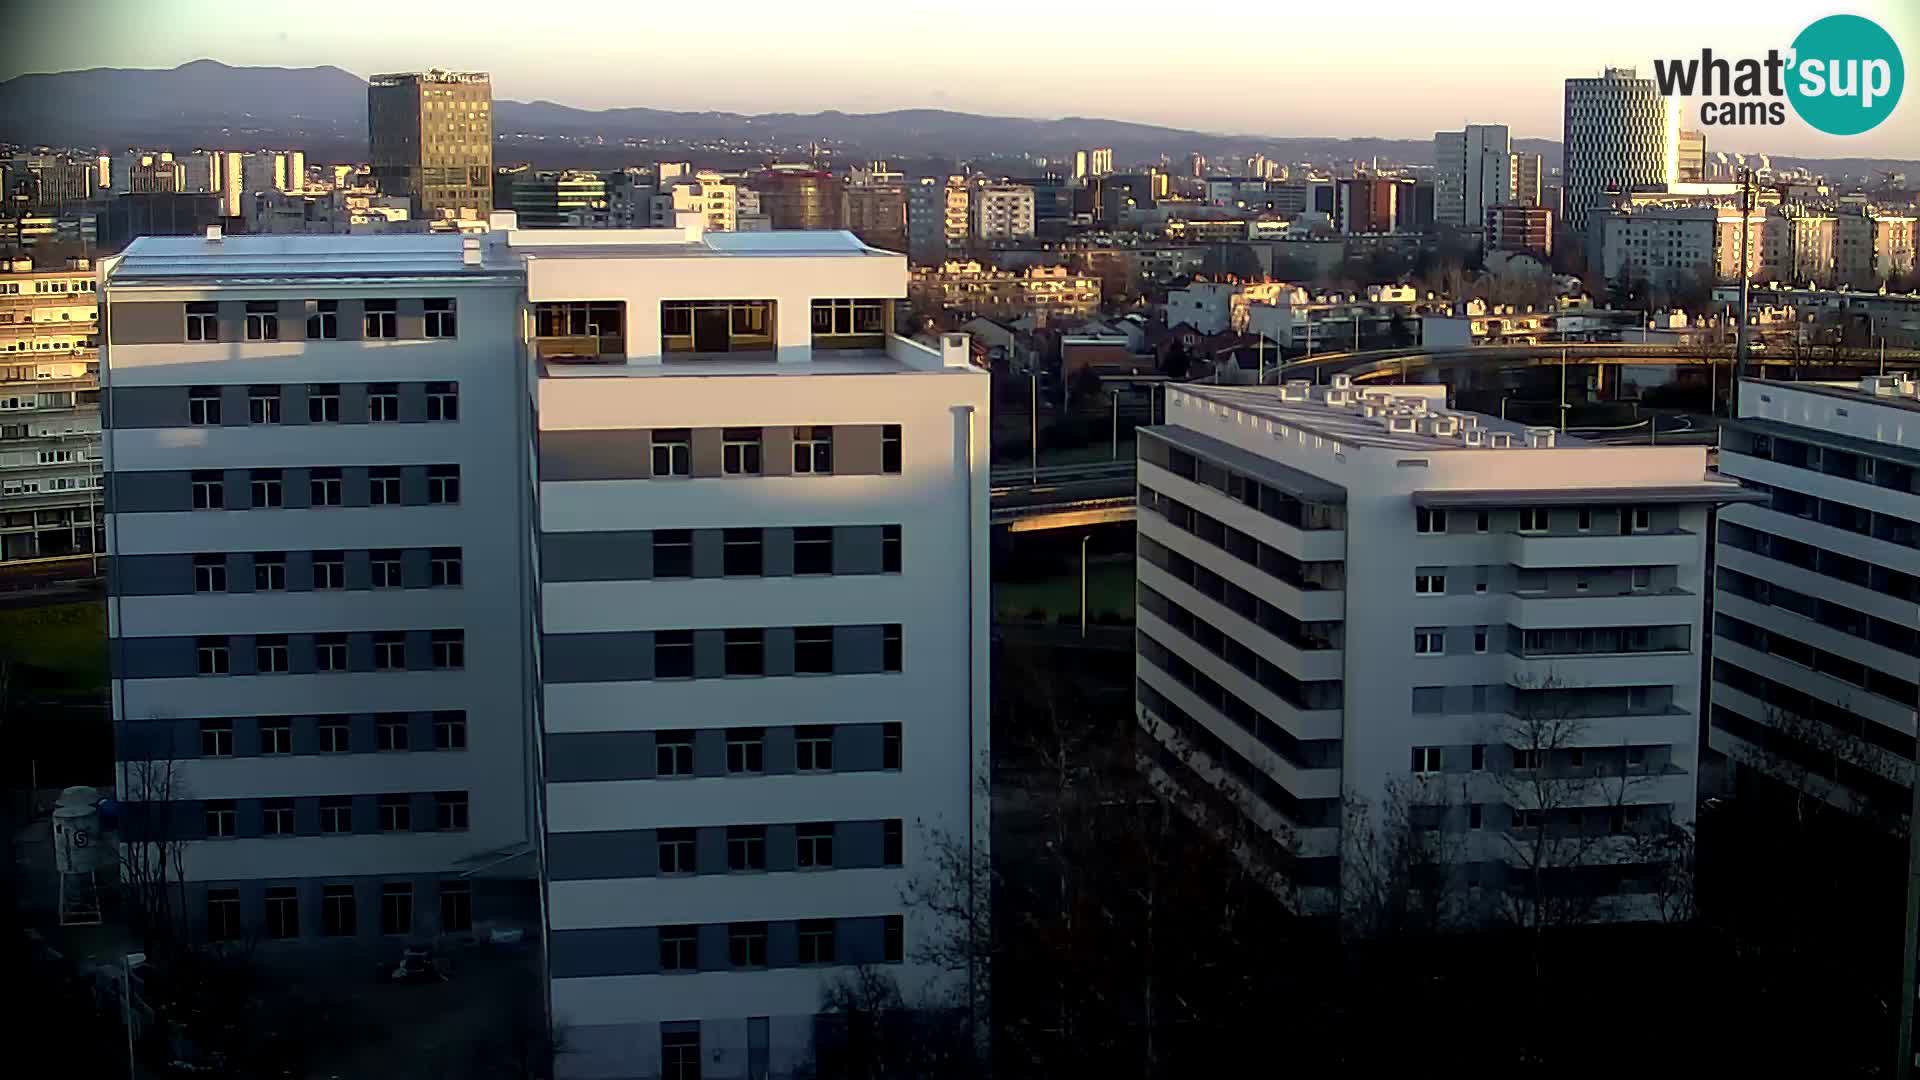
(876, 213)
(1620, 134)
(1692, 157)
(799, 198)
(1524, 187)
(431, 136)
(1079, 164)
(1100, 160)
(1472, 170)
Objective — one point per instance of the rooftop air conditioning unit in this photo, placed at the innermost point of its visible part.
(1880, 385)
(1540, 438)
(1443, 426)
(1402, 423)
(1499, 440)
(1294, 390)
(1341, 382)
(1473, 437)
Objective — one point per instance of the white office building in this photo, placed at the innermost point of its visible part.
(1620, 133)
(1816, 631)
(659, 578)
(1472, 170)
(1351, 592)
(1003, 212)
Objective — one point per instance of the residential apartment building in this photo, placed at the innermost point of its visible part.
(799, 198)
(1049, 292)
(1816, 630)
(1350, 592)
(1690, 163)
(1520, 230)
(599, 561)
(1472, 170)
(726, 204)
(1526, 182)
(1002, 212)
(1620, 133)
(554, 200)
(49, 411)
(431, 139)
(876, 212)
(937, 219)
(763, 531)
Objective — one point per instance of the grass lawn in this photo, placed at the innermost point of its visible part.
(1098, 450)
(65, 644)
(1109, 589)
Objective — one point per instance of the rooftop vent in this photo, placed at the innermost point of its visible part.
(1880, 385)
(1401, 422)
(1499, 440)
(1294, 390)
(1338, 398)
(470, 251)
(1540, 438)
(1443, 426)
(213, 234)
(1473, 437)
(1341, 382)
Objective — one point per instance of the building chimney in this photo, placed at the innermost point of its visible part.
(470, 251)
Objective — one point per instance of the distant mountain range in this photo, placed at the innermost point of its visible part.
(324, 111)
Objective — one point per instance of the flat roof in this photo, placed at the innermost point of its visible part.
(1850, 391)
(1716, 491)
(823, 362)
(190, 258)
(1290, 480)
(660, 244)
(1905, 455)
(1351, 428)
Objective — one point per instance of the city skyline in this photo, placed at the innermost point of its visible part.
(1404, 82)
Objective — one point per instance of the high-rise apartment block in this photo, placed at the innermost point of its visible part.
(1003, 212)
(593, 562)
(1620, 133)
(49, 411)
(937, 218)
(1472, 170)
(1520, 230)
(1815, 625)
(1356, 593)
(799, 198)
(724, 201)
(876, 212)
(1690, 161)
(1527, 175)
(431, 136)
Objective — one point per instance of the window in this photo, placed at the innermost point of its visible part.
(741, 553)
(816, 941)
(890, 549)
(680, 1055)
(276, 736)
(383, 565)
(1636, 756)
(1426, 759)
(440, 317)
(390, 651)
(672, 452)
(849, 318)
(893, 939)
(1639, 698)
(1427, 520)
(337, 911)
(1527, 819)
(269, 571)
(813, 550)
(223, 914)
(815, 846)
(329, 570)
(1642, 578)
(676, 851)
(813, 748)
(1530, 581)
(891, 647)
(450, 730)
(1535, 520)
(746, 652)
(740, 451)
(396, 907)
(673, 753)
(276, 817)
(679, 948)
(672, 553)
(336, 735)
(747, 945)
(323, 487)
(450, 811)
(203, 406)
(263, 405)
(1429, 584)
(383, 485)
(456, 907)
(1479, 757)
(396, 813)
(890, 745)
(1429, 642)
(324, 323)
(330, 652)
(893, 842)
(1475, 816)
(1481, 521)
(336, 814)
(203, 321)
(392, 731)
(382, 319)
(1642, 519)
(209, 490)
(1584, 520)
(746, 848)
(450, 649)
(1526, 760)
(890, 448)
(746, 751)
(265, 489)
(1577, 758)
(443, 484)
(209, 573)
(673, 654)
(221, 818)
(813, 650)
(283, 912)
(812, 450)
(443, 401)
(323, 403)
(383, 403)
(211, 654)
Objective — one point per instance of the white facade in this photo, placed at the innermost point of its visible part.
(703, 537)
(1393, 598)
(721, 200)
(1003, 212)
(1815, 620)
(1472, 170)
(1620, 133)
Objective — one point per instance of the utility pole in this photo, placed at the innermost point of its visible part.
(1261, 352)
(1034, 410)
(1746, 286)
(1563, 391)
(1116, 423)
(1083, 585)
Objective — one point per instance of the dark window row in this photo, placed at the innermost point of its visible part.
(747, 944)
(273, 654)
(1826, 460)
(377, 318)
(1794, 709)
(749, 552)
(742, 450)
(314, 815)
(1270, 560)
(1246, 490)
(1300, 693)
(1834, 616)
(744, 651)
(1879, 793)
(1300, 634)
(1305, 813)
(272, 571)
(283, 916)
(1545, 521)
(1793, 650)
(1822, 561)
(379, 404)
(385, 732)
(777, 750)
(1841, 515)
(678, 850)
(266, 489)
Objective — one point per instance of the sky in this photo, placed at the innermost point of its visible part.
(1391, 68)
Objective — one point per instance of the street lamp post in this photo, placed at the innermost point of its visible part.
(1083, 585)
(1116, 423)
(1033, 408)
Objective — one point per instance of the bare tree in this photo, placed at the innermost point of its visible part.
(1403, 861)
(152, 844)
(1806, 756)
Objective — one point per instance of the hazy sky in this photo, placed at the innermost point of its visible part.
(1399, 68)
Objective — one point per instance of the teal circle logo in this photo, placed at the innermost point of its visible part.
(1847, 75)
